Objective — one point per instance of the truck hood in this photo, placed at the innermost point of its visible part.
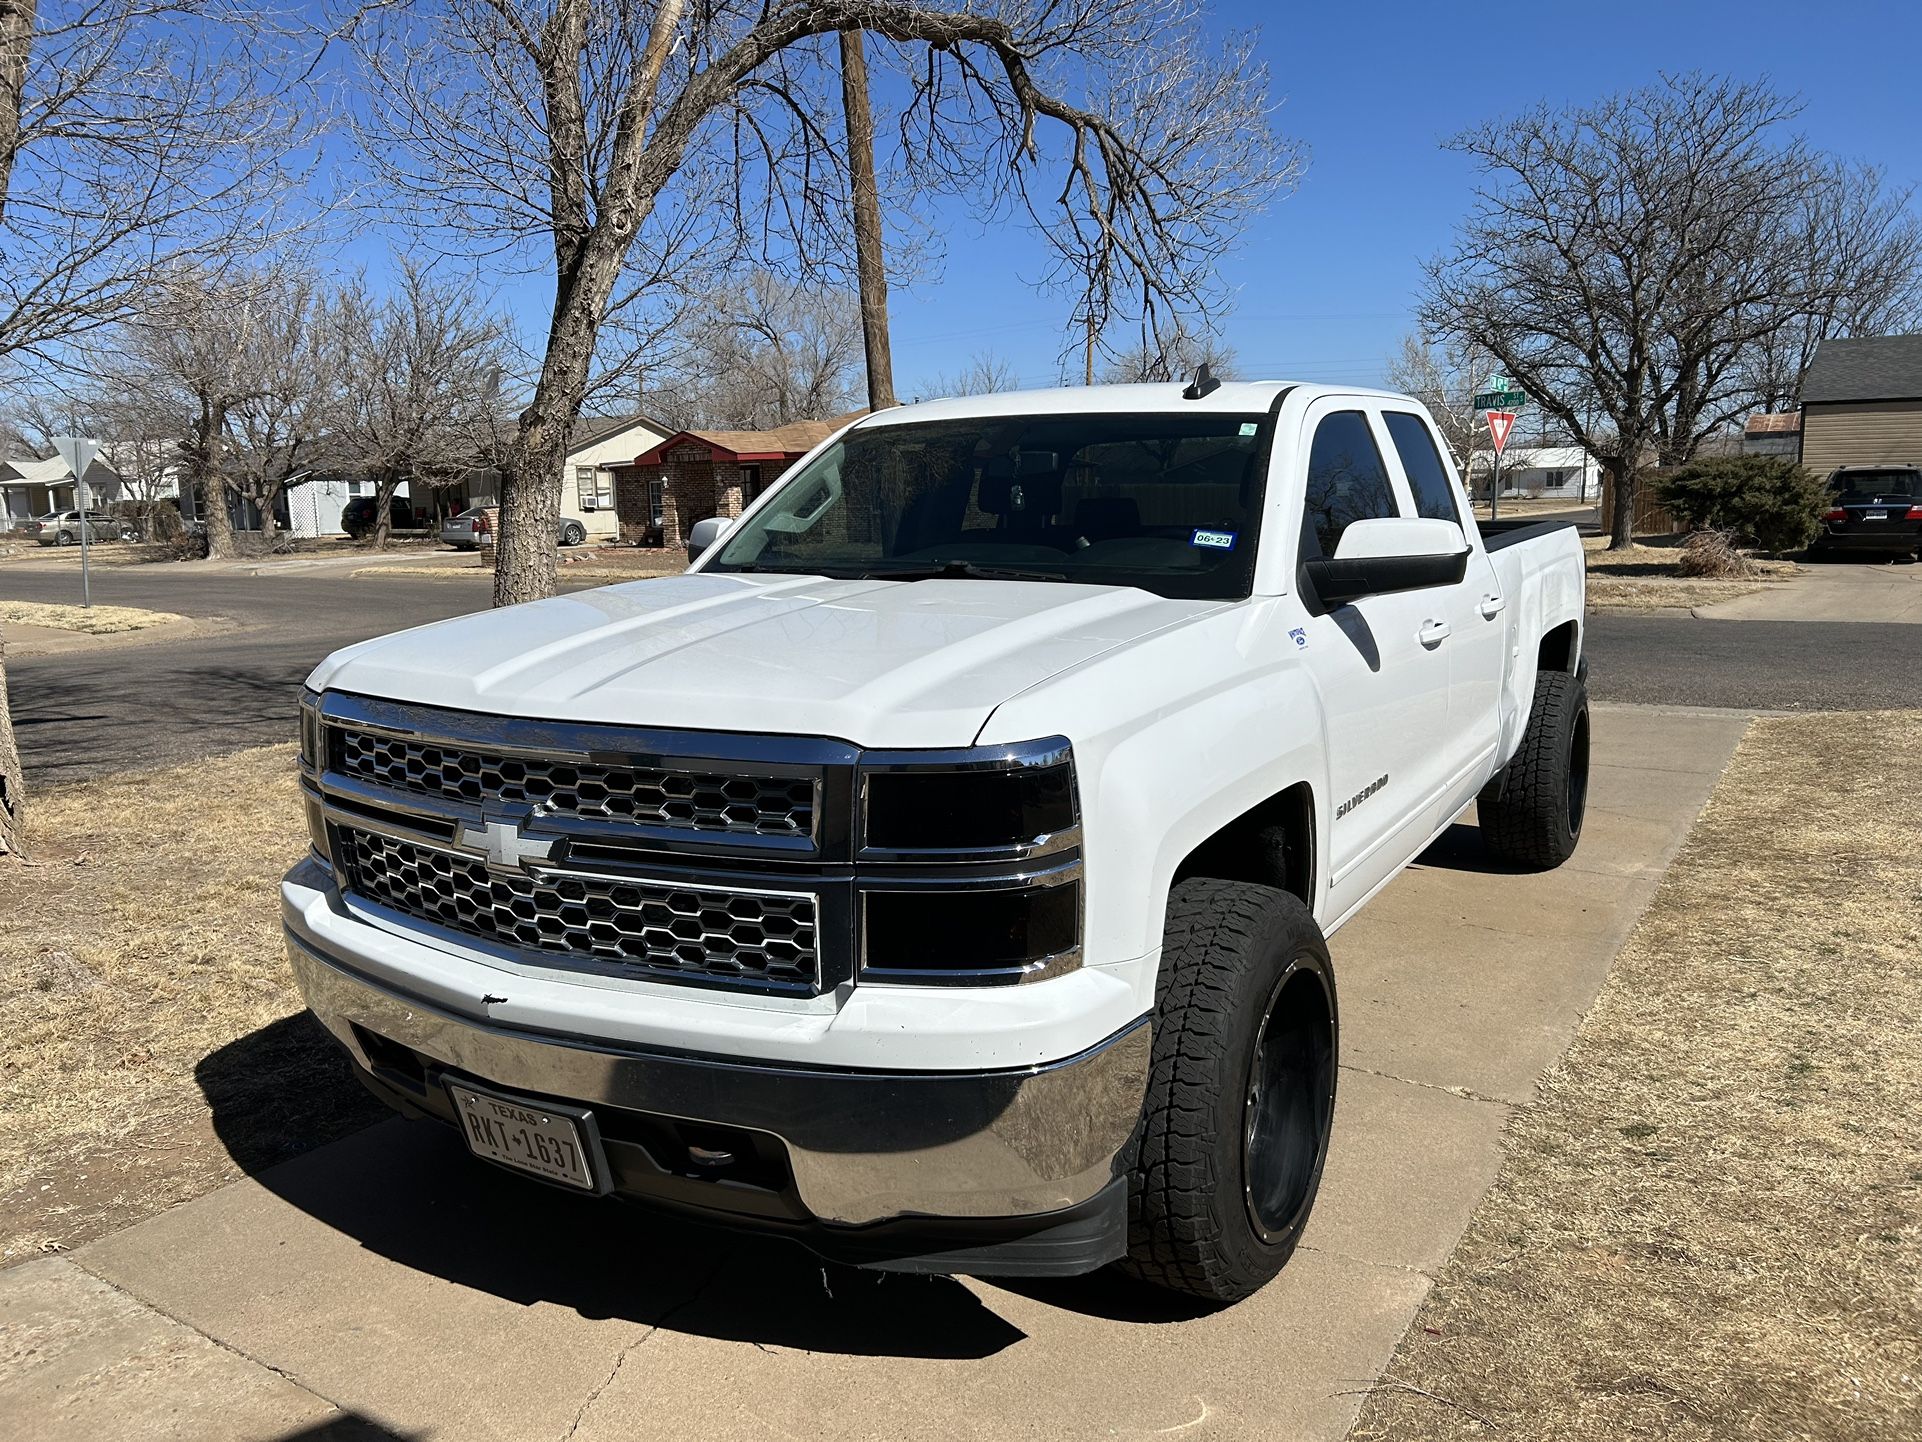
(877, 663)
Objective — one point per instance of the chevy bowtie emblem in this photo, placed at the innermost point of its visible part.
(504, 846)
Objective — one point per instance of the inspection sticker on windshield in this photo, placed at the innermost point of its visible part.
(1214, 540)
(1248, 428)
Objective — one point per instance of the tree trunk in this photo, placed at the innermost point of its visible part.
(870, 258)
(384, 488)
(16, 44)
(203, 466)
(1621, 517)
(13, 794)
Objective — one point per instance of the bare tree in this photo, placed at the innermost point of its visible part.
(420, 372)
(286, 381)
(985, 374)
(1174, 351)
(1639, 266)
(1444, 377)
(566, 124)
(145, 135)
(764, 352)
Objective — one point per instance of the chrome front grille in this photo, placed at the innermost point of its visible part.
(648, 927)
(692, 800)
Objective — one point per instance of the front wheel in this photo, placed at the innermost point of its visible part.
(1531, 815)
(573, 533)
(1241, 1092)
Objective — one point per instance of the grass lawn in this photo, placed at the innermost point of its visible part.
(1709, 1223)
(149, 1043)
(1647, 577)
(90, 620)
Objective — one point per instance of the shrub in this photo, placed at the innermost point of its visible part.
(1769, 501)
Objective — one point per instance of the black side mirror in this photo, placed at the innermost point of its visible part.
(1339, 581)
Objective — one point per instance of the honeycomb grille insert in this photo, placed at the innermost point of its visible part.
(652, 796)
(651, 927)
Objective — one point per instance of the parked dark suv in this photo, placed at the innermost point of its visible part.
(357, 516)
(1875, 508)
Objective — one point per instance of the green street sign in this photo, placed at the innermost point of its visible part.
(1504, 399)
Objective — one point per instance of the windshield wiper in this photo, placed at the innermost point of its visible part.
(963, 570)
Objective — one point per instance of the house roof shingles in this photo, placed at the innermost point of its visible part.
(1879, 368)
(796, 438)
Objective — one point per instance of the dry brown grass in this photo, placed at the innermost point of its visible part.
(145, 1051)
(1709, 1224)
(89, 620)
(1649, 577)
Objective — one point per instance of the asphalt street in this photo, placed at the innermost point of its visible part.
(83, 713)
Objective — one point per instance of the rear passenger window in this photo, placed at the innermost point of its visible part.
(1346, 482)
(1427, 477)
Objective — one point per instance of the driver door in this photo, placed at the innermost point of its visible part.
(1380, 663)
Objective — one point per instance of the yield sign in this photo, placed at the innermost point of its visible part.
(1500, 423)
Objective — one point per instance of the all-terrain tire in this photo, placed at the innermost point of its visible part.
(1234, 955)
(1531, 815)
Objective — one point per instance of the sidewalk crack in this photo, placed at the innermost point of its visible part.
(634, 1346)
(1467, 1094)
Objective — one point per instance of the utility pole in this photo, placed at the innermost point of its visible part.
(869, 258)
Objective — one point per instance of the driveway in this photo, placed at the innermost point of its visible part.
(389, 1286)
(1845, 590)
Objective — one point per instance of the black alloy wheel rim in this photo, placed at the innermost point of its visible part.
(1290, 1104)
(1578, 774)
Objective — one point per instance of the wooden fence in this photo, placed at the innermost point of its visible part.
(1651, 516)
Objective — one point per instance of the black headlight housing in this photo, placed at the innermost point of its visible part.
(970, 865)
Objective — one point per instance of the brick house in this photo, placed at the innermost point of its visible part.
(696, 474)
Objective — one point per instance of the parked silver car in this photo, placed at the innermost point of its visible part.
(63, 528)
(478, 525)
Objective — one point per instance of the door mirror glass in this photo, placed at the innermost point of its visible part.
(703, 536)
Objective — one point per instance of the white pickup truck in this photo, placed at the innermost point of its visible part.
(940, 871)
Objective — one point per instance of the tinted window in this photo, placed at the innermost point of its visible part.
(1346, 482)
(1869, 485)
(1427, 477)
(1167, 502)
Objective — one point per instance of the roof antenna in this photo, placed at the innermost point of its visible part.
(1203, 384)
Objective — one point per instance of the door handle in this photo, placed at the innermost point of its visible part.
(1432, 634)
(1491, 606)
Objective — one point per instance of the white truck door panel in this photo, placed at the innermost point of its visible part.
(1474, 608)
(1379, 664)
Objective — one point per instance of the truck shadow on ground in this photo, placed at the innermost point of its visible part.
(1461, 848)
(408, 1191)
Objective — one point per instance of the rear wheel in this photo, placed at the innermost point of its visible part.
(1241, 1092)
(1531, 815)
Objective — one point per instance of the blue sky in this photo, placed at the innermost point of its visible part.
(1325, 282)
(1326, 279)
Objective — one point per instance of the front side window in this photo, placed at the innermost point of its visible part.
(1347, 482)
(1422, 463)
(1170, 503)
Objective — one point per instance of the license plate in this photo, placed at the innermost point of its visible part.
(533, 1137)
(1875, 515)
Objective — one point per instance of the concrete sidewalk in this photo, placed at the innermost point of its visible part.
(1846, 589)
(388, 1286)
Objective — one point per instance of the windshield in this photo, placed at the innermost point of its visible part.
(1869, 485)
(1170, 503)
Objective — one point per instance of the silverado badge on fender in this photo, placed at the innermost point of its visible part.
(1360, 796)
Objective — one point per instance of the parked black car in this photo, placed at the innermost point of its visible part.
(1876, 508)
(357, 516)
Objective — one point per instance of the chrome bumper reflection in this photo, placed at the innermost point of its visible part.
(864, 1147)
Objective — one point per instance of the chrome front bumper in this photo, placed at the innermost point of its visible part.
(862, 1147)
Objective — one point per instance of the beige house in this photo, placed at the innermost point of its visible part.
(594, 449)
(1862, 404)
